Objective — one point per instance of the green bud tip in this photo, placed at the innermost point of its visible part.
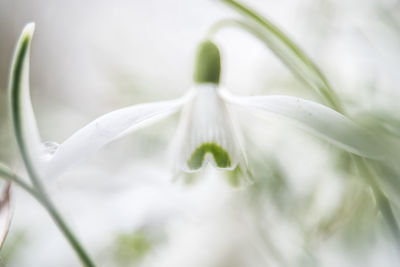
(208, 63)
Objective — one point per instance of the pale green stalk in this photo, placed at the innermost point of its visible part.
(28, 139)
(6, 173)
(276, 38)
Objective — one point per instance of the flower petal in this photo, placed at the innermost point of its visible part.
(105, 129)
(319, 120)
(207, 133)
(26, 130)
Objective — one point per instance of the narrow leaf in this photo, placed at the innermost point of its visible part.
(23, 118)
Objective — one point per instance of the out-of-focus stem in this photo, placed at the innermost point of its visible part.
(258, 33)
(6, 173)
(381, 199)
(323, 86)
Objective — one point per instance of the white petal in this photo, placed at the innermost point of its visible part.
(25, 127)
(107, 128)
(207, 133)
(317, 119)
(48, 149)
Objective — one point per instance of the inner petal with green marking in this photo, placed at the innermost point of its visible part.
(207, 133)
(220, 155)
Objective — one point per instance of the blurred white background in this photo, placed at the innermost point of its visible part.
(91, 57)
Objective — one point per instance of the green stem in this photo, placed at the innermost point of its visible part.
(76, 245)
(24, 128)
(252, 29)
(6, 173)
(322, 86)
(42, 198)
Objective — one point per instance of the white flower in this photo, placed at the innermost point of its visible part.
(208, 132)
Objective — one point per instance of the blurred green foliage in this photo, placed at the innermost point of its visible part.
(130, 248)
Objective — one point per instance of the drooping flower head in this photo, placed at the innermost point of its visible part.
(207, 133)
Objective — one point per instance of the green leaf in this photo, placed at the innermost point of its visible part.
(23, 118)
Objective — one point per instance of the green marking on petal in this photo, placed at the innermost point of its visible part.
(208, 64)
(221, 157)
(234, 177)
(239, 176)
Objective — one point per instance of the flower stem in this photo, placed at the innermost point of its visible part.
(6, 173)
(276, 37)
(43, 199)
(260, 34)
(76, 245)
(28, 138)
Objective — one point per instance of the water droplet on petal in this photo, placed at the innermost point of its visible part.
(48, 150)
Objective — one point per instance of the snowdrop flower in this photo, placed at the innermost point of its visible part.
(207, 132)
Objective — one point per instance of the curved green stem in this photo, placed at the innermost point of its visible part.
(42, 198)
(6, 173)
(285, 58)
(28, 138)
(83, 256)
(275, 36)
